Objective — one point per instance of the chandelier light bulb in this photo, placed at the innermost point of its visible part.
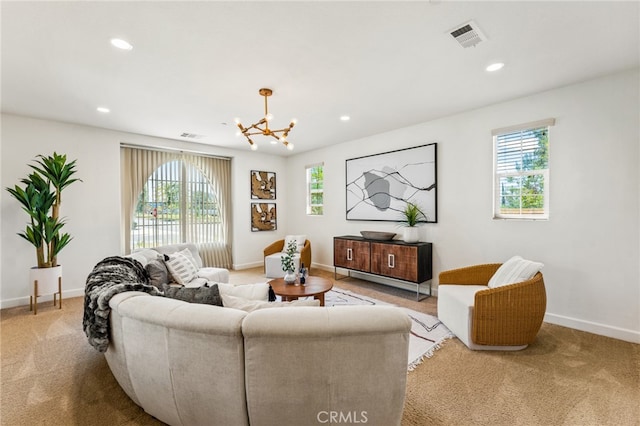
(238, 133)
(254, 147)
(273, 141)
(236, 120)
(268, 117)
(290, 146)
(294, 121)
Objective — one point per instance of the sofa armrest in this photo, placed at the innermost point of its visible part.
(511, 314)
(470, 275)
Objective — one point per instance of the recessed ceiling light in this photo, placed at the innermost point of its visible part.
(103, 109)
(121, 44)
(495, 67)
(345, 118)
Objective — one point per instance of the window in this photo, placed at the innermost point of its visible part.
(177, 204)
(521, 171)
(315, 191)
(171, 197)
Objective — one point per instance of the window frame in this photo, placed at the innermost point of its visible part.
(499, 175)
(310, 191)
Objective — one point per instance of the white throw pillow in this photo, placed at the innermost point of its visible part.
(514, 270)
(253, 305)
(299, 239)
(182, 266)
(259, 291)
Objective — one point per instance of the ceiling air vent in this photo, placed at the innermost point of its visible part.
(468, 34)
(191, 136)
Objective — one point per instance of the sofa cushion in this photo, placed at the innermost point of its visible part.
(205, 295)
(181, 266)
(220, 275)
(513, 271)
(143, 255)
(158, 273)
(173, 248)
(253, 305)
(259, 291)
(299, 239)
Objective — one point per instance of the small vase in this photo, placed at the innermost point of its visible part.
(289, 277)
(411, 234)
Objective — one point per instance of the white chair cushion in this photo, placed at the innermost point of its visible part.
(299, 239)
(514, 270)
(273, 265)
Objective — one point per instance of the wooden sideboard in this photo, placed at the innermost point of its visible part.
(395, 259)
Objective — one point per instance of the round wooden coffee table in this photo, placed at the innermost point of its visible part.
(314, 286)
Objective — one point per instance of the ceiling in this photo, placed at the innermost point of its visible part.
(195, 66)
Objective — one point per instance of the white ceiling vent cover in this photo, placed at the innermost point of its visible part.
(191, 136)
(468, 34)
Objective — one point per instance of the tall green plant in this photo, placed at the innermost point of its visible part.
(40, 198)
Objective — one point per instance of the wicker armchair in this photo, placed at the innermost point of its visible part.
(278, 247)
(502, 318)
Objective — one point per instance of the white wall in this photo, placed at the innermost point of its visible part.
(590, 245)
(92, 208)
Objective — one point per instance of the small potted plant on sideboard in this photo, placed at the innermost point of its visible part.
(411, 216)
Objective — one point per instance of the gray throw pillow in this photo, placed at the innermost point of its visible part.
(205, 295)
(158, 273)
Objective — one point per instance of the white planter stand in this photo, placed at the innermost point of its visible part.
(45, 281)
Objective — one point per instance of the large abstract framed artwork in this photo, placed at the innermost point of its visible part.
(263, 185)
(380, 186)
(264, 217)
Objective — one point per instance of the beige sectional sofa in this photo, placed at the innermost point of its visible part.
(277, 364)
(193, 364)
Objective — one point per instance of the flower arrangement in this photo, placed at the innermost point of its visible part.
(287, 258)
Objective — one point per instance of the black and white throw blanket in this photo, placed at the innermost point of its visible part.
(109, 277)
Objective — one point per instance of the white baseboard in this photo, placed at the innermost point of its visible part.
(240, 266)
(627, 335)
(24, 301)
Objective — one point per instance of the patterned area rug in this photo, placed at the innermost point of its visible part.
(427, 332)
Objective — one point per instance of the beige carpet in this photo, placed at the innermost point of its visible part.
(50, 375)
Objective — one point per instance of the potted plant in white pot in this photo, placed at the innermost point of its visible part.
(411, 215)
(40, 198)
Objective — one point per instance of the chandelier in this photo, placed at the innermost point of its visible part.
(278, 135)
